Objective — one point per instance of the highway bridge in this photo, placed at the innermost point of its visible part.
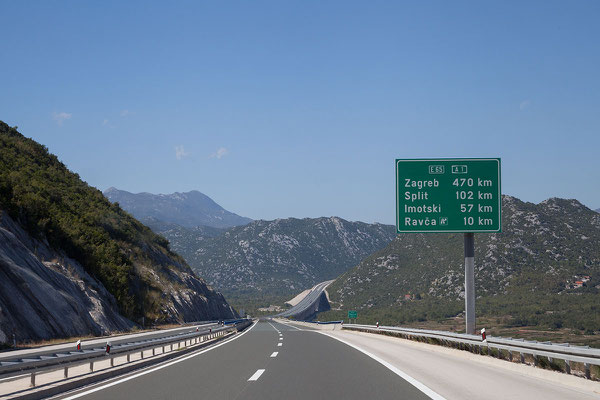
(314, 302)
(278, 359)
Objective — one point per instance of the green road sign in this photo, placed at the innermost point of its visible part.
(448, 195)
(352, 314)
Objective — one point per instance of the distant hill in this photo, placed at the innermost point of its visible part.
(184, 241)
(526, 275)
(271, 260)
(188, 209)
(598, 210)
(72, 263)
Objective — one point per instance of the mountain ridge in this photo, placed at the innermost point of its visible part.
(528, 273)
(187, 209)
(273, 260)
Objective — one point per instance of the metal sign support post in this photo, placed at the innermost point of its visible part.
(470, 282)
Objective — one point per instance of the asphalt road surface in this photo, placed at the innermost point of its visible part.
(267, 361)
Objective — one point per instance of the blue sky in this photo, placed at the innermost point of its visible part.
(290, 108)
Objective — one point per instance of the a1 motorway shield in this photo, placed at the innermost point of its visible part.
(448, 195)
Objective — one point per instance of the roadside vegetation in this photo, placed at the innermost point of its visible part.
(53, 204)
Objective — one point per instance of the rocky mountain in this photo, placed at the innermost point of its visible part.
(184, 241)
(543, 269)
(188, 209)
(278, 258)
(72, 263)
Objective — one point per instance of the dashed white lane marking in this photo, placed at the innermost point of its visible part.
(178, 360)
(256, 375)
(279, 344)
(426, 390)
(280, 338)
(274, 354)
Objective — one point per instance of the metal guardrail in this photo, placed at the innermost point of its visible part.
(66, 360)
(560, 351)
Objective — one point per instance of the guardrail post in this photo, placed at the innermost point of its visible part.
(91, 366)
(128, 357)
(66, 372)
(32, 379)
(588, 374)
(510, 355)
(153, 353)
(568, 366)
(535, 360)
(112, 361)
(142, 354)
(522, 357)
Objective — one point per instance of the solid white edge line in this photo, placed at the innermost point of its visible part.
(426, 390)
(272, 326)
(256, 375)
(274, 354)
(75, 396)
(291, 326)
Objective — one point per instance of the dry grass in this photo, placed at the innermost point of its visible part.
(493, 328)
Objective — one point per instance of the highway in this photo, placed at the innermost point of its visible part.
(267, 361)
(272, 360)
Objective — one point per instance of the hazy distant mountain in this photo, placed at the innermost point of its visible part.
(598, 210)
(277, 258)
(543, 269)
(188, 209)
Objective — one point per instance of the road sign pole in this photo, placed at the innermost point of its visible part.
(470, 282)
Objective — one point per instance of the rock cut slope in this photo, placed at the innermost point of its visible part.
(44, 294)
(73, 263)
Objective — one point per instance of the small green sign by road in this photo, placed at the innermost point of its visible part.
(352, 314)
(448, 195)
